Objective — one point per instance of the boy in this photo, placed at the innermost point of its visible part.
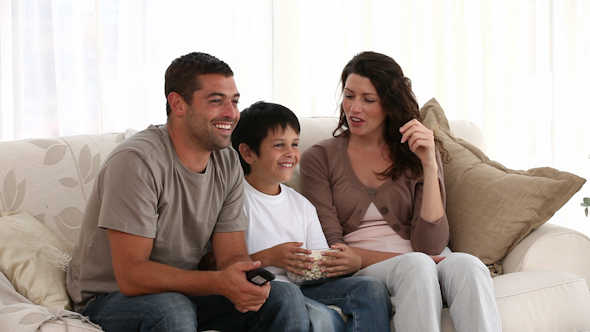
(284, 223)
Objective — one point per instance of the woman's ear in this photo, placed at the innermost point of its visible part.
(246, 153)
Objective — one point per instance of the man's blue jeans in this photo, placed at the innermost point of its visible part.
(364, 300)
(174, 312)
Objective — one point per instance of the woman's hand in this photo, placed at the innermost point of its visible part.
(285, 256)
(346, 261)
(420, 141)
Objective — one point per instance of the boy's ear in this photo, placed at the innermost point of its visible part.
(246, 153)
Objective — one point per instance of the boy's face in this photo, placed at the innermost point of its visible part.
(279, 154)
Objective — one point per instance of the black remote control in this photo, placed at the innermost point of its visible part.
(259, 276)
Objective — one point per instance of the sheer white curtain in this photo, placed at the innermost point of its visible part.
(517, 68)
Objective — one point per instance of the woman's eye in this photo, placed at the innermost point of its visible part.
(348, 96)
(369, 100)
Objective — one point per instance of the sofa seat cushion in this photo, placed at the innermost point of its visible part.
(542, 301)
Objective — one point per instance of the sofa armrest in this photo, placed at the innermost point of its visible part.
(551, 247)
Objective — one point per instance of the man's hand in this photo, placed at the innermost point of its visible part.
(243, 294)
(346, 261)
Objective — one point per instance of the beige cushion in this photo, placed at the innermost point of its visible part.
(490, 207)
(34, 260)
(51, 178)
(542, 301)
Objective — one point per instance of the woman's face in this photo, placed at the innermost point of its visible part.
(362, 107)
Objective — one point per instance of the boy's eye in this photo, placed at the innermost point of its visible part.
(279, 145)
(295, 144)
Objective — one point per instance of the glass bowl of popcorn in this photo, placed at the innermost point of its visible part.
(314, 275)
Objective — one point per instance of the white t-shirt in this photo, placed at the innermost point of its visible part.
(276, 219)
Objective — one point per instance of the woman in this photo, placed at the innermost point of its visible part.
(378, 187)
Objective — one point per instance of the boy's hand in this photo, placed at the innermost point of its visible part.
(346, 261)
(285, 256)
(243, 294)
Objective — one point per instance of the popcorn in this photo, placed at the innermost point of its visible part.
(313, 274)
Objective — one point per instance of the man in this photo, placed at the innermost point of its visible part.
(159, 198)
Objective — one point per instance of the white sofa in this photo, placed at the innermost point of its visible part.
(544, 285)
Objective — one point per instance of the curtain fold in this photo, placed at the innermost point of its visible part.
(516, 68)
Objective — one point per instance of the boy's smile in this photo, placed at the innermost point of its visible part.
(276, 161)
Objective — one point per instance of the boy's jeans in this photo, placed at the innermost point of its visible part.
(365, 300)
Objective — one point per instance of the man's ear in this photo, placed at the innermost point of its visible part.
(177, 103)
(246, 153)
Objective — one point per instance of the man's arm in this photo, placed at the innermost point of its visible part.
(229, 248)
(137, 275)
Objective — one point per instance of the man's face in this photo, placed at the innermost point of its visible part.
(213, 112)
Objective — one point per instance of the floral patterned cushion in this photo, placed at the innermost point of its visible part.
(51, 178)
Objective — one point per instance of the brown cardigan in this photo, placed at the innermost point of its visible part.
(329, 182)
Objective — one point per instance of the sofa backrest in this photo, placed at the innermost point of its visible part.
(51, 178)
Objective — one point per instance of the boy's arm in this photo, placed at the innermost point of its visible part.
(284, 256)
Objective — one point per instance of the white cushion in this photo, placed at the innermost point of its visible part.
(34, 260)
(69, 325)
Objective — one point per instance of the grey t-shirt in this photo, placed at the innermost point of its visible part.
(144, 189)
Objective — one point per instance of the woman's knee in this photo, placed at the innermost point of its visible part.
(463, 263)
(417, 263)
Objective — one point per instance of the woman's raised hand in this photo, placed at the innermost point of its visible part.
(420, 141)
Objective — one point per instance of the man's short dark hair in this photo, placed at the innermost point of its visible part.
(255, 125)
(182, 76)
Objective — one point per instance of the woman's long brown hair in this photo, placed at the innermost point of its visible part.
(397, 100)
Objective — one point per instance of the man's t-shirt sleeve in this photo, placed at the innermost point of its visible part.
(129, 195)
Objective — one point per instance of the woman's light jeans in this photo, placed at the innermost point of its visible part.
(419, 286)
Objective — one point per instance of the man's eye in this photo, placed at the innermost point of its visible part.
(235, 101)
(216, 101)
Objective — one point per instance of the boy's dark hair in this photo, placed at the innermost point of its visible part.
(255, 124)
(182, 76)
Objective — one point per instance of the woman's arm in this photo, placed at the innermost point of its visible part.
(421, 141)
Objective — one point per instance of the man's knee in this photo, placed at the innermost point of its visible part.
(171, 311)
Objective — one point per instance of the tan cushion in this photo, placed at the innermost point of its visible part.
(542, 301)
(490, 207)
(34, 260)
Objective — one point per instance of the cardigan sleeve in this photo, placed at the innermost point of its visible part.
(430, 238)
(315, 186)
